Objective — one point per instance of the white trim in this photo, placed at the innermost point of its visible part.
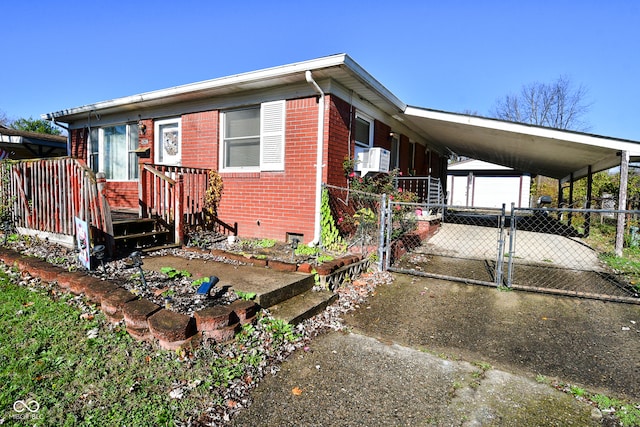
(156, 141)
(371, 121)
(272, 130)
(272, 135)
(532, 130)
(281, 74)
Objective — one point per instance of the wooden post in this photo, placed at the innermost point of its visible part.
(179, 207)
(622, 201)
(107, 229)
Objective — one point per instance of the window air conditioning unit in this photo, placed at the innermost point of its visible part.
(373, 160)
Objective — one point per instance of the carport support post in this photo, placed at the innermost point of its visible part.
(587, 219)
(622, 201)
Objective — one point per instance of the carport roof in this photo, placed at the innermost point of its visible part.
(535, 149)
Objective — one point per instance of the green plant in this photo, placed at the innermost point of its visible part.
(247, 296)
(175, 274)
(168, 292)
(306, 250)
(279, 329)
(324, 258)
(329, 233)
(200, 281)
(266, 243)
(577, 391)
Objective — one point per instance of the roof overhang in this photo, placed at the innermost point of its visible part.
(24, 145)
(534, 149)
(338, 68)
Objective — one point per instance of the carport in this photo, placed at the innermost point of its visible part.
(561, 154)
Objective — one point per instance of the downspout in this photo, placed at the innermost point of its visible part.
(320, 145)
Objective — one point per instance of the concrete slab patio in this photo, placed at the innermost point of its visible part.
(271, 286)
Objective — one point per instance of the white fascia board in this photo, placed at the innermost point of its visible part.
(273, 73)
(538, 131)
(267, 73)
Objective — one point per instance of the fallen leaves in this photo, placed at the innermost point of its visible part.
(296, 391)
(87, 316)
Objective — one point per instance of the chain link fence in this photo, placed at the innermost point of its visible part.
(356, 216)
(560, 251)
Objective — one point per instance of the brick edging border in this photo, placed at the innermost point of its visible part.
(144, 320)
(323, 269)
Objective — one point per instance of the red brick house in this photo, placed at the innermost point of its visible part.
(260, 130)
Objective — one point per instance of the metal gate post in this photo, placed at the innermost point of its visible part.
(381, 239)
(500, 260)
(512, 244)
(389, 231)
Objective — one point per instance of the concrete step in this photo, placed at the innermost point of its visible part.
(286, 290)
(270, 286)
(303, 306)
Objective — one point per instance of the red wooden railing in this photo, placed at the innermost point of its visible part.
(175, 194)
(47, 194)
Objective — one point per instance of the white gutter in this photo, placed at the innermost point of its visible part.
(319, 165)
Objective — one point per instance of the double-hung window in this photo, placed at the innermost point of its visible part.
(112, 151)
(252, 138)
(363, 134)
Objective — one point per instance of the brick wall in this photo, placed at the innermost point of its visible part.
(381, 137)
(79, 139)
(270, 204)
(340, 115)
(405, 155)
(200, 140)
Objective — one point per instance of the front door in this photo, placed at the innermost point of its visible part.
(168, 142)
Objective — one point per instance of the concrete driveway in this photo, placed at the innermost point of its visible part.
(429, 352)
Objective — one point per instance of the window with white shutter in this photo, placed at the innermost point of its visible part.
(252, 139)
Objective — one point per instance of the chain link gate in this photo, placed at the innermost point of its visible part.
(449, 244)
(541, 250)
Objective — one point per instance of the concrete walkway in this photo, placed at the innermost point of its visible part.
(435, 353)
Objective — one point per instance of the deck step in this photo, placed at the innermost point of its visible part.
(133, 221)
(303, 306)
(143, 234)
(160, 247)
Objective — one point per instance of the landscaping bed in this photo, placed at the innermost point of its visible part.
(203, 384)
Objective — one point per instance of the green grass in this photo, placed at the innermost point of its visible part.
(84, 371)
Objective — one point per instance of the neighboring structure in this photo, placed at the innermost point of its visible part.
(474, 183)
(19, 144)
(274, 135)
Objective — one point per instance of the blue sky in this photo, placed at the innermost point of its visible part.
(448, 55)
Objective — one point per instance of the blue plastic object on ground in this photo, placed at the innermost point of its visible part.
(206, 286)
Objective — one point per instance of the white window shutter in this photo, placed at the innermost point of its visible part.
(272, 124)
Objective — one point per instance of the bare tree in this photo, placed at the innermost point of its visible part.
(557, 105)
(4, 120)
